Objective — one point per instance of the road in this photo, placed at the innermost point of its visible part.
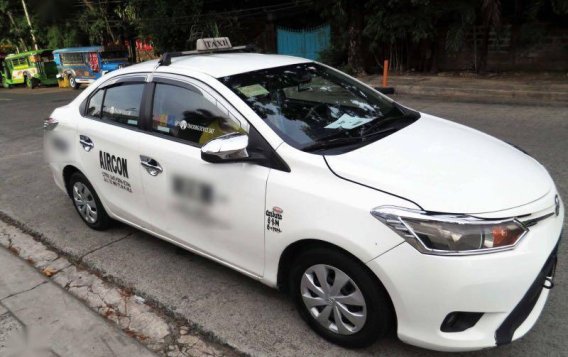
(232, 308)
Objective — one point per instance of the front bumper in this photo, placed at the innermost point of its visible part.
(507, 287)
(85, 80)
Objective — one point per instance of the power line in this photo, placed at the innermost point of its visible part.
(235, 12)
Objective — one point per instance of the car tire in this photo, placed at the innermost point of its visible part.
(73, 83)
(5, 83)
(30, 83)
(87, 202)
(361, 294)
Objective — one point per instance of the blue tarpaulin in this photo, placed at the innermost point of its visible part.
(305, 43)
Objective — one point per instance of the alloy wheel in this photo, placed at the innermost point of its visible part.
(85, 202)
(333, 299)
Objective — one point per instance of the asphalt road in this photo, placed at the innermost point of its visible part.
(237, 310)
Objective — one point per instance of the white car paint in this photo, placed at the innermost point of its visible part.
(432, 164)
(446, 167)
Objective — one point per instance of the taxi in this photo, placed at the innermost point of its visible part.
(371, 215)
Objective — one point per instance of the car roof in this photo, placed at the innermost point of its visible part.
(28, 53)
(80, 49)
(224, 64)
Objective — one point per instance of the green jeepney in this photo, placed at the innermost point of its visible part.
(30, 68)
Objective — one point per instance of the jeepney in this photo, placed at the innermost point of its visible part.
(30, 68)
(84, 65)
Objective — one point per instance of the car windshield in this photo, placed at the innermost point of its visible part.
(313, 107)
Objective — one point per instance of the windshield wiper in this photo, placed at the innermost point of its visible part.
(337, 142)
(399, 122)
(331, 143)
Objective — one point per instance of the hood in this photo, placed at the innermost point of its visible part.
(446, 167)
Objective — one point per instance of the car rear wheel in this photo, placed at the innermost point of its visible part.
(87, 202)
(30, 82)
(339, 298)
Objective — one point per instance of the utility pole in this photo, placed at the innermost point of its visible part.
(30, 23)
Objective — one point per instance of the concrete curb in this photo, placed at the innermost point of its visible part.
(550, 91)
(526, 97)
(138, 318)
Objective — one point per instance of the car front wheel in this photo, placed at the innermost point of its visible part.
(339, 298)
(73, 82)
(87, 202)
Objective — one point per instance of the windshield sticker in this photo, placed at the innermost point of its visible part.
(347, 121)
(165, 119)
(117, 111)
(163, 129)
(253, 90)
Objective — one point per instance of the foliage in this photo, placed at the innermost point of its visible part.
(408, 32)
(560, 7)
(13, 29)
(399, 20)
(334, 55)
(459, 17)
(61, 36)
(170, 23)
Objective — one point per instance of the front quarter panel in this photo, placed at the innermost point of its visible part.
(316, 204)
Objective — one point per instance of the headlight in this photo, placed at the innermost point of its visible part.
(444, 234)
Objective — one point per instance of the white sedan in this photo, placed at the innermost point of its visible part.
(369, 214)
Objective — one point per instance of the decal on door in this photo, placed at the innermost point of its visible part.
(273, 219)
(115, 165)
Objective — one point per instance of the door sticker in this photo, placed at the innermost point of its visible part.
(273, 219)
(115, 165)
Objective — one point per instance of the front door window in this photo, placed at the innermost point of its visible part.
(188, 115)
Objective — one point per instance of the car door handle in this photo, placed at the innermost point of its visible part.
(151, 165)
(86, 143)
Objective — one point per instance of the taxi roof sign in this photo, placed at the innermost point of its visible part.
(205, 46)
(214, 43)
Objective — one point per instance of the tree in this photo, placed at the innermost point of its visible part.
(348, 18)
(14, 31)
(56, 23)
(170, 23)
(490, 19)
(394, 28)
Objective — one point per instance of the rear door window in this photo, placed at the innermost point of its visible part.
(95, 104)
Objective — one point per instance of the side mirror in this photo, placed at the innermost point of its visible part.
(226, 148)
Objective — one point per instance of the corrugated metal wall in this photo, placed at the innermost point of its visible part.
(305, 43)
